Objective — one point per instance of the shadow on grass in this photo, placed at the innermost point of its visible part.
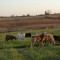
(33, 46)
(21, 47)
(26, 46)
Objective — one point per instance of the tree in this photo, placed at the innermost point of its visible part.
(48, 12)
(12, 16)
(28, 15)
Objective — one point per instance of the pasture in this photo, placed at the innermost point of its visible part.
(32, 22)
(21, 50)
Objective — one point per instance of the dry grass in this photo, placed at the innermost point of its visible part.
(17, 23)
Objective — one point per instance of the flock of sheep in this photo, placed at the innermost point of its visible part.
(35, 38)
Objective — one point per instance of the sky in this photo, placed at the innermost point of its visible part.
(32, 7)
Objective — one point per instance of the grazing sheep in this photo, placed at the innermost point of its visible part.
(9, 37)
(41, 39)
(27, 34)
(20, 36)
(57, 38)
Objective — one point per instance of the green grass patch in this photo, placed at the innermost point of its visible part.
(19, 50)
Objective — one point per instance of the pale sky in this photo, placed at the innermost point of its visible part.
(32, 7)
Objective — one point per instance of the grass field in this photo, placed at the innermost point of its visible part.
(20, 50)
(32, 22)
